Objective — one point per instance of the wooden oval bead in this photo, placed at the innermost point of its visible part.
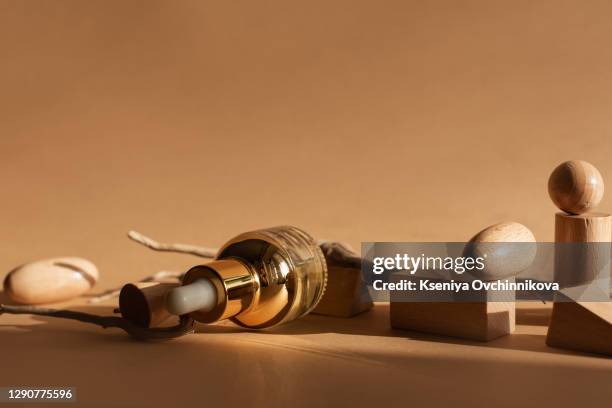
(508, 248)
(576, 186)
(50, 280)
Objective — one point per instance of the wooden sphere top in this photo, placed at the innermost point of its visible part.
(576, 186)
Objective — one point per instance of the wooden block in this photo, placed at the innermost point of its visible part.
(590, 227)
(482, 316)
(481, 321)
(575, 324)
(346, 294)
(583, 326)
(582, 249)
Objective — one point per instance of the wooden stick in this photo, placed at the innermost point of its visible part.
(150, 243)
(184, 327)
(178, 248)
(336, 253)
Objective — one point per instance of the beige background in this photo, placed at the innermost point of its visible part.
(355, 120)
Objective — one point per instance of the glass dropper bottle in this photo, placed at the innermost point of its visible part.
(258, 279)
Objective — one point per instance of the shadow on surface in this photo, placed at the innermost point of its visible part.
(375, 322)
(533, 316)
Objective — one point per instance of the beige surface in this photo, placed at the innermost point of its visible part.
(355, 120)
(317, 361)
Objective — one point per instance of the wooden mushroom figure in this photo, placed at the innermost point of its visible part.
(582, 259)
(509, 248)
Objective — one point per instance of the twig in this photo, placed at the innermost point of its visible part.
(179, 248)
(184, 327)
(335, 252)
(157, 246)
(113, 293)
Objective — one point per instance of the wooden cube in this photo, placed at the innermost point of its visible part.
(481, 321)
(482, 316)
(346, 294)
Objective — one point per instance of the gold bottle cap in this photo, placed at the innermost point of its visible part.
(235, 285)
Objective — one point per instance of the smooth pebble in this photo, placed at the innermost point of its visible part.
(50, 280)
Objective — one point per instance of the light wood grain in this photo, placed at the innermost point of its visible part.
(593, 227)
(508, 247)
(582, 249)
(346, 294)
(576, 186)
(482, 321)
(584, 326)
(482, 316)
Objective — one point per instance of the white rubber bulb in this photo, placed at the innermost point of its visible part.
(200, 295)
